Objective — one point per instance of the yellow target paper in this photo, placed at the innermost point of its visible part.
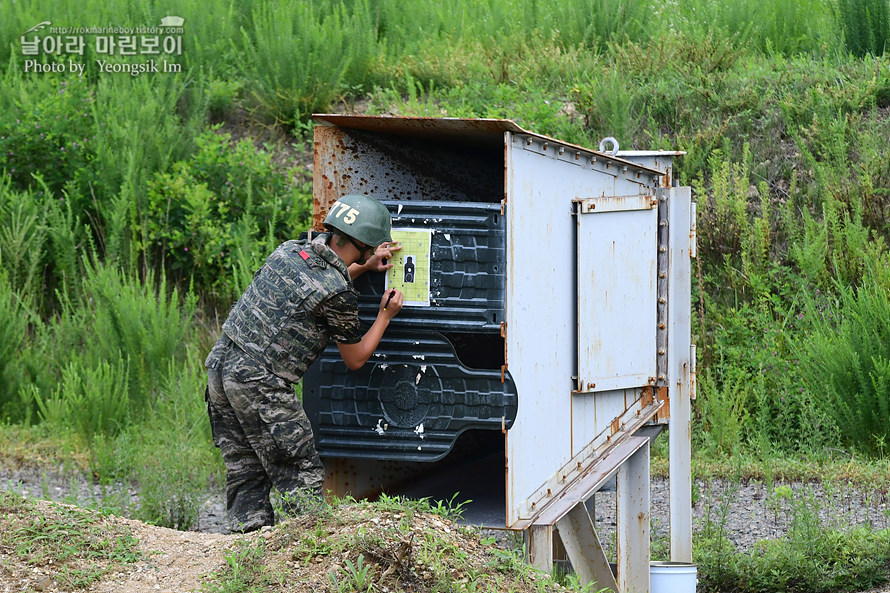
(410, 272)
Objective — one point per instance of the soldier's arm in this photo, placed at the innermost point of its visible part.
(356, 355)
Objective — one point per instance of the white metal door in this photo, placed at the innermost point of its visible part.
(616, 290)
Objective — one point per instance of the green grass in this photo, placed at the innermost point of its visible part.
(394, 544)
(814, 555)
(73, 547)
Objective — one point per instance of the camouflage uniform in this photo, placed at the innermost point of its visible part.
(298, 301)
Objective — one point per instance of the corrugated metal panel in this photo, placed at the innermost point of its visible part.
(468, 272)
(410, 402)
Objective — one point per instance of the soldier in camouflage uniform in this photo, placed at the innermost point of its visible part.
(298, 301)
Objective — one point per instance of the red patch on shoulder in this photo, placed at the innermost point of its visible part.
(304, 255)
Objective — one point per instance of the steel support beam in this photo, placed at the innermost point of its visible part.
(585, 552)
(539, 539)
(680, 367)
(633, 523)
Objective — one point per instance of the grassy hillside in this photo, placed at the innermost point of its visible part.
(132, 208)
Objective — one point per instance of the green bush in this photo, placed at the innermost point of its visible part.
(104, 354)
(200, 213)
(174, 460)
(49, 134)
(172, 484)
(136, 321)
(300, 56)
(784, 27)
(40, 236)
(22, 243)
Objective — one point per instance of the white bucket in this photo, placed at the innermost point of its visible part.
(672, 577)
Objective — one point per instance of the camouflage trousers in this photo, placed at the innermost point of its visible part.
(264, 436)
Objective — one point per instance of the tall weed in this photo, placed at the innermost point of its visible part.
(90, 400)
(176, 462)
(754, 397)
(866, 25)
(139, 132)
(40, 237)
(723, 413)
(13, 326)
(135, 321)
(22, 243)
(610, 106)
(785, 27)
(848, 356)
(837, 247)
(300, 56)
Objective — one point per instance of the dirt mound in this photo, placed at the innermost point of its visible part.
(389, 546)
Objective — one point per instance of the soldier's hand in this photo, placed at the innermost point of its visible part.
(391, 303)
(380, 261)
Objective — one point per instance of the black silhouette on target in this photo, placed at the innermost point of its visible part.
(409, 269)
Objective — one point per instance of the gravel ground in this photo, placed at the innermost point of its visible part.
(751, 512)
(747, 512)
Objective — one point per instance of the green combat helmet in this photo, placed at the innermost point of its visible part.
(361, 217)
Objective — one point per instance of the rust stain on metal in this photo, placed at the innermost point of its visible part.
(663, 414)
(477, 131)
(615, 426)
(325, 183)
(646, 396)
